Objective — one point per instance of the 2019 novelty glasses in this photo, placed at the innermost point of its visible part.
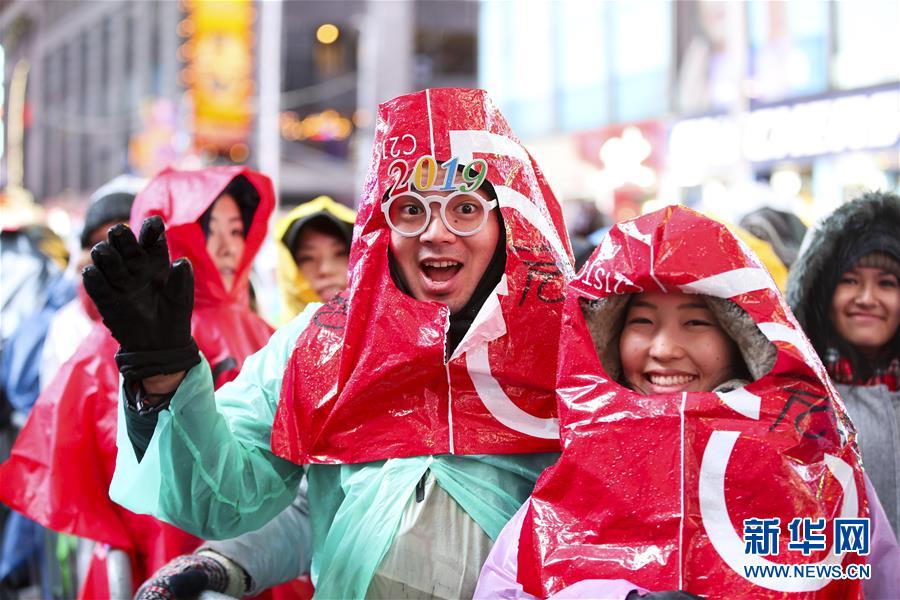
(463, 213)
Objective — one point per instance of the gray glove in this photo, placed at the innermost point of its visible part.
(184, 577)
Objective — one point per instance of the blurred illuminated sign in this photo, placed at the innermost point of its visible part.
(219, 70)
(158, 143)
(325, 126)
(625, 153)
(590, 143)
(805, 129)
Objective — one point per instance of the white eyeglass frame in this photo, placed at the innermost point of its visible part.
(487, 205)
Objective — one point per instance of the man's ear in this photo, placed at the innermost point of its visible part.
(395, 274)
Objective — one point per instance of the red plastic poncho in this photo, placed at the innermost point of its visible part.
(655, 489)
(368, 379)
(61, 466)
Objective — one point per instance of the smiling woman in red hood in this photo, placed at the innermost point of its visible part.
(188, 221)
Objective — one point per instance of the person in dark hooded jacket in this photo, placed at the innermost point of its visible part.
(844, 291)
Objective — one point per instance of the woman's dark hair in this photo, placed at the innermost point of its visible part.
(246, 197)
(820, 328)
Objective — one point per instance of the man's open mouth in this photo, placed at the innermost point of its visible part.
(440, 271)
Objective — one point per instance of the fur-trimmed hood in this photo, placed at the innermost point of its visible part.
(870, 223)
(823, 242)
(605, 319)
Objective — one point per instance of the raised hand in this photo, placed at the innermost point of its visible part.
(144, 301)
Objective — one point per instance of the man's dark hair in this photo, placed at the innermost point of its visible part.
(112, 207)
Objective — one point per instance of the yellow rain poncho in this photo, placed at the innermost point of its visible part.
(296, 292)
(766, 254)
(762, 248)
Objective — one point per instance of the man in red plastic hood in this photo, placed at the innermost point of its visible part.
(61, 466)
(421, 398)
(679, 449)
(461, 309)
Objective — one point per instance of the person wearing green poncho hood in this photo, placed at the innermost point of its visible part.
(436, 426)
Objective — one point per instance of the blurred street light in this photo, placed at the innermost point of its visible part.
(623, 159)
(327, 125)
(327, 33)
(787, 183)
(239, 152)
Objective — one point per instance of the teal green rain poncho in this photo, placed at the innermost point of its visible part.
(210, 468)
(230, 482)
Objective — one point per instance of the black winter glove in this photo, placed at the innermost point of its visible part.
(666, 595)
(185, 577)
(145, 302)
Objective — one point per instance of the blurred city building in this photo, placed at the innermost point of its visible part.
(135, 86)
(626, 105)
(94, 70)
(724, 106)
